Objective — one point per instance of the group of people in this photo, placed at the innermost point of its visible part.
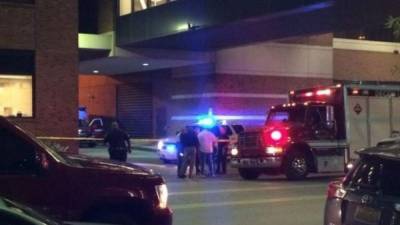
(199, 147)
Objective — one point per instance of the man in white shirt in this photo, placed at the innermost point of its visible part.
(207, 142)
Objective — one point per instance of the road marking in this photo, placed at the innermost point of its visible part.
(246, 189)
(247, 202)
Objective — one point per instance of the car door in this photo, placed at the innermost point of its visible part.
(23, 179)
(362, 205)
(389, 192)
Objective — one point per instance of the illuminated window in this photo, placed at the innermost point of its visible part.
(139, 5)
(128, 6)
(16, 86)
(125, 7)
(16, 95)
(157, 2)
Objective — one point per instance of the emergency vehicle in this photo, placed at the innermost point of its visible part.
(168, 147)
(319, 130)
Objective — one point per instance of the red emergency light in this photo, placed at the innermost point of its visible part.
(320, 94)
(326, 92)
(275, 135)
(309, 94)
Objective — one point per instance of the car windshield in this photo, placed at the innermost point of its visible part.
(295, 114)
(21, 209)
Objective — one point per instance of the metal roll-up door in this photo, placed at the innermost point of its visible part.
(135, 109)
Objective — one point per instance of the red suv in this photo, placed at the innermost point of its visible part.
(78, 188)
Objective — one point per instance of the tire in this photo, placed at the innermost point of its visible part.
(296, 166)
(249, 174)
(120, 218)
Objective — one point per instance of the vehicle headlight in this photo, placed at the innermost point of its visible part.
(274, 150)
(162, 193)
(160, 144)
(234, 151)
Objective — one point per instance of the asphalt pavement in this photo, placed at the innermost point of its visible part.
(229, 200)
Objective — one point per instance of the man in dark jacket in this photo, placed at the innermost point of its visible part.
(189, 144)
(223, 139)
(118, 143)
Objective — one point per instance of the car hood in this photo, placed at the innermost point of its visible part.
(105, 165)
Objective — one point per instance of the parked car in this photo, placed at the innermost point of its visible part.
(96, 127)
(370, 192)
(78, 188)
(12, 213)
(84, 131)
(167, 148)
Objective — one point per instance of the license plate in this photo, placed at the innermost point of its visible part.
(250, 162)
(367, 215)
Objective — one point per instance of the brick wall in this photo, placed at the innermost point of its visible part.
(49, 27)
(17, 26)
(366, 65)
(98, 94)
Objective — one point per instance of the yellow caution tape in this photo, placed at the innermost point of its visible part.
(91, 139)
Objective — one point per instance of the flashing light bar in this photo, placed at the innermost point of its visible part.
(222, 117)
(309, 94)
(326, 92)
(207, 122)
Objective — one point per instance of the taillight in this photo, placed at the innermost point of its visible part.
(335, 190)
(276, 135)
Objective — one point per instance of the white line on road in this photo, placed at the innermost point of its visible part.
(271, 188)
(247, 202)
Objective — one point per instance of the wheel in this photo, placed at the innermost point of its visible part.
(249, 174)
(120, 218)
(296, 166)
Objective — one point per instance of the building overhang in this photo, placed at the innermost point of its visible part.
(184, 25)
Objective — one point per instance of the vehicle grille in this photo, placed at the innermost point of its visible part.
(249, 143)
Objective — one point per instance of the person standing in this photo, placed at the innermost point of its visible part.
(190, 144)
(223, 140)
(198, 161)
(118, 143)
(179, 150)
(208, 141)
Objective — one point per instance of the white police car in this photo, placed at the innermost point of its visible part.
(168, 147)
